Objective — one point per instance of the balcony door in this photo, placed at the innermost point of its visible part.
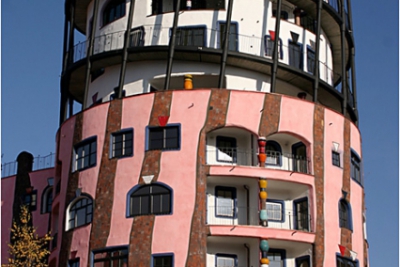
(301, 215)
(299, 151)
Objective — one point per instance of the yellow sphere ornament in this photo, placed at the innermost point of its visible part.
(264, 261)
(263, 195)
(263, 183)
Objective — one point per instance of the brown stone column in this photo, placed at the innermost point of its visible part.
(269, 122)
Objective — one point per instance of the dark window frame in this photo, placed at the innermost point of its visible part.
(138, 39)
(110, 257)
(190, 35)
(47, 200)
(224, 214)
(355, 167)
(73, 207)
(284, 14)
(230, 151)
(295, 51)
(224, 255)
(122, 148)
(30, 200)
(140, 197)
(152, 136)
(269, 51)
(281, 203)
(345, 215)
(233, 46)
(278, 153)
(91, 159)
(302, 259)
(336, 158)
(345, 262)
(297, 213)
(109, 13)
(157, 6)
(281, 252)
(74, 262)
(162, 256)
(310, 60)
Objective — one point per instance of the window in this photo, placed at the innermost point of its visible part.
(163, 260)
(80, 212)
(308, 22)
(345, 262)
(345, 220)
(73, 262)
(136, 37)
(226, 149)
(190, 36)
(225, 260)
(284, 14)
(113, 11)
(164, 138)
(269, 47)
(303, 261)
(274, 153)
(310, 60)
(117, 256)
(233, 36)
(47, 199)
(275, 210)
(300, 161)
(30, 199)
(301, 220)
(225, 201)
(276, 257)
(121, 144)
(336, 158)
(295, 55)
(162, 6)
(355, 167)
(85, 154)
(149, 199)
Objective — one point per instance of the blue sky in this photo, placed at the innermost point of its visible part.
(31, 43)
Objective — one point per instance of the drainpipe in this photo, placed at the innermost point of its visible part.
(225, 44)
(275, 57)
(317, 45)
(247, 203)
(343, 57)
(172, 45)
(248, 253)
(125, 50)
(90, 52)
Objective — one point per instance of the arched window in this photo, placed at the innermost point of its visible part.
(80, 212)
(113, 11)
(345, 219)
(47, 199)
(149, 199)
(274, 153)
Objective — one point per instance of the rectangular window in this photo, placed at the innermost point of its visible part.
(30, 199)
(85, 154)
(226, 149)
(190, 36)
(336, 158)
(164, 138)
(233, 36)
(73, 262)
(301, 219)
(345, 262)
(163, 261)
(355, 168)
(276, 257)
(225, 201)
(136, 37)
(310, 60)
(111, 257)
(269, 46)
(275, 210)
(122, 144)
(225, 260)
(295, 55)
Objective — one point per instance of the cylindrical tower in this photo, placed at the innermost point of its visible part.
(211, 133)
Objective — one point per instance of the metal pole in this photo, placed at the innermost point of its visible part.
(353, 67)
(317, 45)
(225, 44)
(90, 52)
(275, 57)
(344, 76)
(125, 50)
(172, 45)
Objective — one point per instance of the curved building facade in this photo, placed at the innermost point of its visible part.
(198, 146)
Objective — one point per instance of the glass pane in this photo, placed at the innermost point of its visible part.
(145, 205)
(156, 204)
(81, 217)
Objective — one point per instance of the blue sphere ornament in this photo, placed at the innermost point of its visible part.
(263, 215)
(264, 246)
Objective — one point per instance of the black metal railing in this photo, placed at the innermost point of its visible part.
(39, 163)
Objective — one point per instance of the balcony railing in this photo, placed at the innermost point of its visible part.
(203, 38)
(248, 157)
(39, 163)
(224, 215)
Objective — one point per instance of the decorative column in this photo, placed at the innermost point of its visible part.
(188, 84)
(262, 141)
(263, 199)
(264, 247)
